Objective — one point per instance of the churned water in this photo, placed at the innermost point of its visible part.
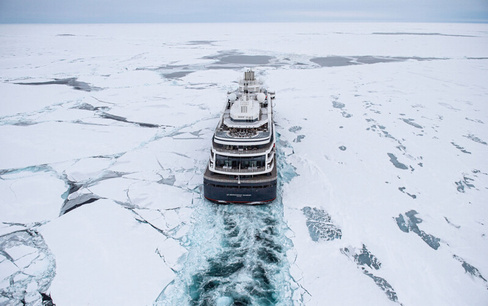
(237, 256)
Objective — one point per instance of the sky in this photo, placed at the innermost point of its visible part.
(153, 11)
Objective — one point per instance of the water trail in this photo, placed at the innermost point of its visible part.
(237, 256)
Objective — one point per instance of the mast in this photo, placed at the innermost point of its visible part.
(249, 75)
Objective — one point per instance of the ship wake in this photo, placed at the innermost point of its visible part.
(237, 256)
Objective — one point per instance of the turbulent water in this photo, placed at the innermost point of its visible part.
(237, 257)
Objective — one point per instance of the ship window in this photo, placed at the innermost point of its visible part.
(240, 162)
(243, 187)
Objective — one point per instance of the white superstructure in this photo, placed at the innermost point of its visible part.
(244, 142)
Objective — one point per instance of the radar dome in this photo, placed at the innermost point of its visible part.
(232, 97)
(261, 97)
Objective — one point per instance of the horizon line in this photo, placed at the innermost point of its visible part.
(245, 22)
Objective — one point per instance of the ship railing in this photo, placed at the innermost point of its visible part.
(224, 134)
(242, 151)
(242, 170)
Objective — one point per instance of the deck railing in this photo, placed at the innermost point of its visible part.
(245, 170)
(241, 151)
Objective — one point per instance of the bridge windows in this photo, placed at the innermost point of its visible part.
(236, 162)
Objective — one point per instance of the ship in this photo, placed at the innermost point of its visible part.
(242, 164)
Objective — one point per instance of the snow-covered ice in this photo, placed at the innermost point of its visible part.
(105, 132)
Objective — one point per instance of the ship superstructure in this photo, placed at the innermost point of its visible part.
(242, 164)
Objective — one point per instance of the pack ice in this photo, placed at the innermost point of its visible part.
(105, 132)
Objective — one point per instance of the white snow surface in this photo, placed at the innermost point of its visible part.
(118, 256)
(383, 142)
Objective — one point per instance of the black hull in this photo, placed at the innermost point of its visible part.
(246, 191)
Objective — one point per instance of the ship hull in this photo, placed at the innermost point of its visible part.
(246, 191)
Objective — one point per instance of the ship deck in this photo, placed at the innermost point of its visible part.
(244, 179)
(260, 135)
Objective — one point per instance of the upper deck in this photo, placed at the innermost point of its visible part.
(230, 130)
(247, 116)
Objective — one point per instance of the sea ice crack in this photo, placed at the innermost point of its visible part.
(31, 268)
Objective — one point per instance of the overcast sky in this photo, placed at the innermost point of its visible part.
(141, 11)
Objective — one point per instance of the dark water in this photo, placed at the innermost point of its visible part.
(72, 82)
(410, 222)
(338, 61)
(245, 59)
(236, 257)
(396, 163)
(250, 258)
